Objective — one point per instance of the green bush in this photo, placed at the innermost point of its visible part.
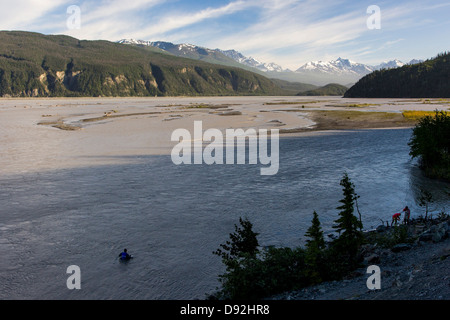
(430, 143)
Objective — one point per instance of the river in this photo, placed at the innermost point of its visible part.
(172, 217)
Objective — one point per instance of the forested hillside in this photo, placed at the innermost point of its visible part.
(429, 79)
(37, 65)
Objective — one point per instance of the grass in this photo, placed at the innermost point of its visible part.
(436, 101)
(199, 106)
(416, 115)
(108, 116)
(351, 119)
(359, 115)
(361, 105)
(354, 105)
(290, 102)
(334, 119)
(206, 106)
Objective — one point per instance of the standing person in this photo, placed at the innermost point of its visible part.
(407, 215)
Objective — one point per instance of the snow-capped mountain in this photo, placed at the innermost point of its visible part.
(389, 64)
(345, 66)
(414, 61)
(252, 62)
(342, 71)
(338, 66)
(183, 48)
(132, 41)
(189, 50)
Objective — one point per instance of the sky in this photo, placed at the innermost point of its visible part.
(286, 32)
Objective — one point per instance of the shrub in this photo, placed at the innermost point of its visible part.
(431, 144)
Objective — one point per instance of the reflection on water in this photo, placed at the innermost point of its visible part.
(171, 217)
(439, 191)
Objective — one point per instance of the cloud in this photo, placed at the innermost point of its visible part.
(296, 27)
(283, 31)
(112, 8)
(315, 30)
(113, 20)
(20, 14)
(109, 19)
(171, 22)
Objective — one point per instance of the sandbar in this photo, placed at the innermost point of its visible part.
(38, 134)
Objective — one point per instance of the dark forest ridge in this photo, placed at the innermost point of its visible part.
(429, 79)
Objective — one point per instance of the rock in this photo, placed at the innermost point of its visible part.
(373, 259)
(386, 273)
(367, 250)
(418, 228)
(439, 235)
(435, 233)
(401, 247)
(352, 275)
(381, 228)
(426, 236)
(396, 282)
(445, 253)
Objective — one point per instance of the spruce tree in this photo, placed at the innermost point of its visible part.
(315, 234)
(314, 250)
(243, 243)
(239, 256)
(347, 225)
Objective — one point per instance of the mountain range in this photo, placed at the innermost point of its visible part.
(226, 57)
(341, 71)
(37, 65)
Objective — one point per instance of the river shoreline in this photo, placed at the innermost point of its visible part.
(414, 271)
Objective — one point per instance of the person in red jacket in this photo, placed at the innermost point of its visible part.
(395, 218)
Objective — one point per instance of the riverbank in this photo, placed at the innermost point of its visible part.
(409, 271)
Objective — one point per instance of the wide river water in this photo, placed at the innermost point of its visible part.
(172, 217)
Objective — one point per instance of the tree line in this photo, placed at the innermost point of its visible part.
(428, 79)
(254, 273)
